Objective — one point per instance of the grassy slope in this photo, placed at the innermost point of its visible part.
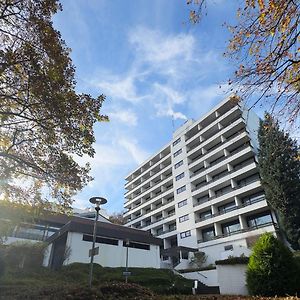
(158, 280)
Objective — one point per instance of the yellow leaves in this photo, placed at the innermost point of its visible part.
(4, 141)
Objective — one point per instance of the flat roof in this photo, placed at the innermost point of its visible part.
(106, 230)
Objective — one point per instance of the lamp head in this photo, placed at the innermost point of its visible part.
(98, 200)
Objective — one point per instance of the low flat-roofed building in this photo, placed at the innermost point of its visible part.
(75, 238)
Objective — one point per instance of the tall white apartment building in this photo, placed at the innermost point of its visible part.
(202, 190)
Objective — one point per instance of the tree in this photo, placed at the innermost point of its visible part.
(279, 167)
(265, 43)
(44, 123)
(271, 269)
(117, 218)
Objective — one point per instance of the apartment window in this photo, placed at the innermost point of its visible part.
(205, 215)
(182, 203)
(208, 234)
(181, 189)
(172, 227)
(177, 141)
(231, 227)
(177, 165)
(259, 219)
(101, 240)
(136, 245)
(228, 247)
(227, 207)
(159, 230)
(183, 218)
(171, 212)
(224, 190)
(177, 152)
(185, 234)
(203, 199)
(178, 177)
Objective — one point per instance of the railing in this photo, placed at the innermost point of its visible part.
(239, 231)
(224, 142)
(166, 231)
(250, 202)
(232, 189)
(160, 219)
(236, 168)
(231, 154)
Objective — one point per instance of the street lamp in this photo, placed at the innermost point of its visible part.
(97, 201)
(126, 271)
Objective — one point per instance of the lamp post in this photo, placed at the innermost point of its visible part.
(127, 245)
(96, 201)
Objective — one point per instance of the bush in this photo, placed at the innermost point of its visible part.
(234, 260)
(271, 270)
(24, 255)
(2, 263)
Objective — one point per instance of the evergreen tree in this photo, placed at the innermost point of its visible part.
(280, 169)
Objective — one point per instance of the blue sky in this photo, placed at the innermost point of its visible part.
(151, 64)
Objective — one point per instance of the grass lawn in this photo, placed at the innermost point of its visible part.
(71, 283)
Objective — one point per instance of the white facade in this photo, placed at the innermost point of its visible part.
(202, 190)
(109, 255)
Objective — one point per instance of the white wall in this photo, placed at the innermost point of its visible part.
(110, 255)
(232, 279)
(47, 254)
(209, 277)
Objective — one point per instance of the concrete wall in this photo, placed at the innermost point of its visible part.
(232, 279)
(209, 277)
(110, 255)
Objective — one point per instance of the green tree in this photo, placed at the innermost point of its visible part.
(44, 123)
(271, 269)
(279, 167)
(264, 46)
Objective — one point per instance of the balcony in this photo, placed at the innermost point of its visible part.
(227, 192)
(249, 202)
(166, 231)
(239, 231)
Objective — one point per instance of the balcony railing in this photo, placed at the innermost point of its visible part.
(166, 231)
(236, 168)
(239, 231)
(232, 189)
(249, 202)
(158, 220)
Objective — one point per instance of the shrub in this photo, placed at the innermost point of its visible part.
(234, 260)
(271, 270)
(24, 255)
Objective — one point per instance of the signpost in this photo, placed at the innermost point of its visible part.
(94, 251)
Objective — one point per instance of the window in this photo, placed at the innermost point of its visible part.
(137, 245)
(231, 227)
(178, 177)
(205, 215)
(177, 165)
(224, 190)
(185, 234)
(177, 141)
(172, 227)
(208, 234)
(228, 248)
(181, 189)
(159, 231)
(177, 152)
(259, 220)
(182, 203)
(101, 240)
(183, 218)
(227, 207)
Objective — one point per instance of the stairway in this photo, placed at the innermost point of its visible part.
(205, 289)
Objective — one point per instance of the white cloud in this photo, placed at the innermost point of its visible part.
(124, 116)
(132, 148)
(120, 87)
(153, 46)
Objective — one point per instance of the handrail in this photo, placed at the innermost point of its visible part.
(230, 210)
(239, 231)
